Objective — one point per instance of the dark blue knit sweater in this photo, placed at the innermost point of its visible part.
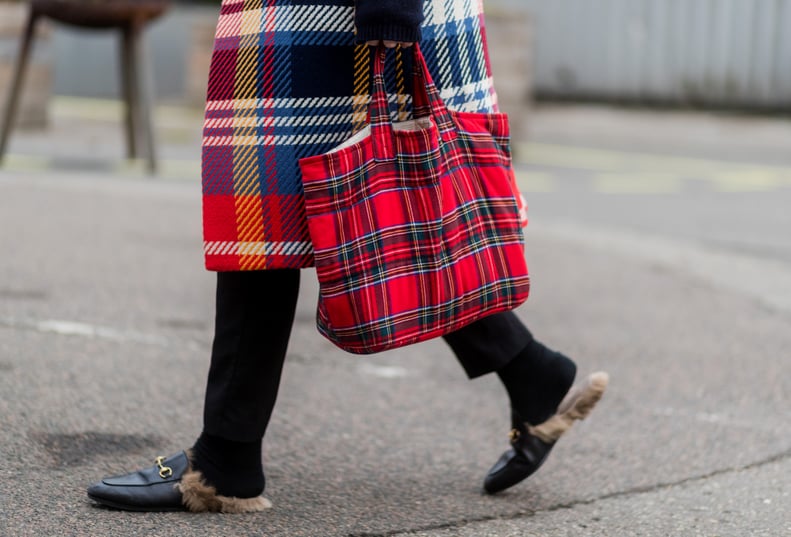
(396, 20)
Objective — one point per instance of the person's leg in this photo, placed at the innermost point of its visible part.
(538, 381)
(222, 472)
(254, 316)
(535, 377)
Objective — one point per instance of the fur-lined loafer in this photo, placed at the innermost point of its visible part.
(170, 485)
(530, 445)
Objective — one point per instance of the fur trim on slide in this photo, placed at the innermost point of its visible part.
(199, 497)
(577, 405)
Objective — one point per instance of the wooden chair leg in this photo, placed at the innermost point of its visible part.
(146, 94)
(128, 85)
(12, 101)
(138, 91)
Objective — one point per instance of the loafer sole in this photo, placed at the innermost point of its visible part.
(127, 507)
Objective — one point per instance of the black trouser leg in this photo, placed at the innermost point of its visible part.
(489, 343)
(255, 313)
(535, 377)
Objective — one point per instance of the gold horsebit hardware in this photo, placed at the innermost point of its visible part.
(513, 435)
(164, 471)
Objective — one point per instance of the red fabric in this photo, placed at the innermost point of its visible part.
(415, 233)
(521, 204)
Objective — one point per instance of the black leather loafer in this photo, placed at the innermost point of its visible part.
(526, 455)
(151, 489)
(530, 445)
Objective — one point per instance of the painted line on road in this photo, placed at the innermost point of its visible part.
(750, 180)
(644, 173)
(765, 280)
(637, 183)
(25, 163)
(588, 158)
(171, 169)
(113, 109)
(382, 371)
(536, 181)
(92, 331)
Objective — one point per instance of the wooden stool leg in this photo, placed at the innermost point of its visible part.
(146, 93)
(138, 93)
(12, 101)
(128, 85)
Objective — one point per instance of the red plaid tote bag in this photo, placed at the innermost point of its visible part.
(414, 224)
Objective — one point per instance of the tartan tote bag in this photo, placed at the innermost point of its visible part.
(414, 224)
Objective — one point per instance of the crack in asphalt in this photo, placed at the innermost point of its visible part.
(634, 491)
(69, 328)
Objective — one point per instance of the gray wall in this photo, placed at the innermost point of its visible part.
(713, 52)
(87, 63)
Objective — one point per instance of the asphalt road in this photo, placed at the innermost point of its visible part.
(663, 259)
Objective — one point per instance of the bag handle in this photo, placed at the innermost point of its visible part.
(426, 102)
(426, 99)
(379, 111)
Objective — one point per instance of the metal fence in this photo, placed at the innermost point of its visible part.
(710, 52)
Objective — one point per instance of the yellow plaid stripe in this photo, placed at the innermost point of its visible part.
(246, 170)
(400, 86)
(362, 83)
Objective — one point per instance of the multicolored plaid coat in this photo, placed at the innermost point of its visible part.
(288, 81)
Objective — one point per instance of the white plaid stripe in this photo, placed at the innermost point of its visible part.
(257, 248)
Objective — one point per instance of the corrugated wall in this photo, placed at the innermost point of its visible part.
(713, 52)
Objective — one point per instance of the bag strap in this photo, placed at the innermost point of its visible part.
(426, 102)
(379, 111)
(426, 99)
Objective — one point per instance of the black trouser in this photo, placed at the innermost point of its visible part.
(255, 312)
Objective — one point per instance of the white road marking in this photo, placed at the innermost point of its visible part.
(383, 371)
(92, 331)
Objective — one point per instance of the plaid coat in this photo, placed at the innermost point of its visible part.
(287, 81)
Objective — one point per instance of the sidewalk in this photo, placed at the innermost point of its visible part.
(721, 135)
(86, 134)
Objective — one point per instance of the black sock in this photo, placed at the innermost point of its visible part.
(537, 379)
(233, 468)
